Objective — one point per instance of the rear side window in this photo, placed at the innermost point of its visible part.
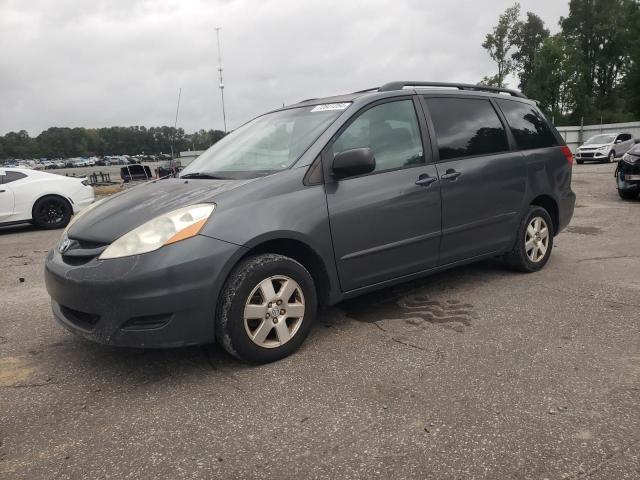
(466, 127)
(11, 177)
(527, 124)
(390, 130)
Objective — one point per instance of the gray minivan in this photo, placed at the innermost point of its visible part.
(308, 205)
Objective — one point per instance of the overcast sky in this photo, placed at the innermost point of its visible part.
(99, 63)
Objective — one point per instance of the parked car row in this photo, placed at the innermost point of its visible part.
(107, 160)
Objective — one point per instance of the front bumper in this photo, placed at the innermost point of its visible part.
(628, 176)
(165, 298)
(591, 155)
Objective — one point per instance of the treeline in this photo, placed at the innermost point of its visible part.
(85, 142)
(589, 70)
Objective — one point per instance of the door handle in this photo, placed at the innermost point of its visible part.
(450, 174)
(2, 191)
(425, 180)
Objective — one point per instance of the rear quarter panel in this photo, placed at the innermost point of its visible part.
(29, 190)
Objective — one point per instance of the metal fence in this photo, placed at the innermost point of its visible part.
(576, 136)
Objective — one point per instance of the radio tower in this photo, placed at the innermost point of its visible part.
(224, 116)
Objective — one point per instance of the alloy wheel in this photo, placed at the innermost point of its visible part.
(274, 311)
(536, 241)
(51, 212)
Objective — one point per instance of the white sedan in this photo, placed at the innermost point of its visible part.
(44, 199)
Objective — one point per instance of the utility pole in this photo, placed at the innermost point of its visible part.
(224, 116)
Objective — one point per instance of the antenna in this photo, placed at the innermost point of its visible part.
(224, 116)
(175, 124)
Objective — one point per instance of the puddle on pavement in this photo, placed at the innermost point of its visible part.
(414, 310)
(584, 230)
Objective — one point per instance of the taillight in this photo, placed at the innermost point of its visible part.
(567, 153)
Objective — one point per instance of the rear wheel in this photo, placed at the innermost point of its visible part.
(51, 211)
(266, 309)
(628, 194)
(579, 162)
(534, 241)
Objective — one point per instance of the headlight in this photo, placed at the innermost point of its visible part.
(630, 158)
(78, 215)
(168, 228)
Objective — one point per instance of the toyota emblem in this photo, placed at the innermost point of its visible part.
(64, 245)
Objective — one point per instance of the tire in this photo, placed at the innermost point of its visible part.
(628, 194)
(256, 339)
(51, 211)
(520, 258)
(611, 157)
(579, 162)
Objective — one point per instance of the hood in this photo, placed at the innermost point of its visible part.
(593, 146)
(127, 210)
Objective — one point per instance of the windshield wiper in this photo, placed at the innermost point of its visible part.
(207, 176)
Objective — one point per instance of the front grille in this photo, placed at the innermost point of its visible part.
(80, 319)
(587, 154)
(82, 251)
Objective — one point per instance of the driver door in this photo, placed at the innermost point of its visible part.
(385, 224)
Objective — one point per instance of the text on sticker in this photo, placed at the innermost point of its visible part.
(330, 106)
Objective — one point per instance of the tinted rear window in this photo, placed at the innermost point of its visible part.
(11, 177)
(466, 127)
(527, 124)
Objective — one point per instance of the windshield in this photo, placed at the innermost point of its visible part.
(265, 145)
(599, 139)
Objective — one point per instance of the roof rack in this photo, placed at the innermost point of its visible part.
(387, 87)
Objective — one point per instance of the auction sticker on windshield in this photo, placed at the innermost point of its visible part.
(330, 106)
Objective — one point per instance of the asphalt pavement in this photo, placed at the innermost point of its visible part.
(474, 373)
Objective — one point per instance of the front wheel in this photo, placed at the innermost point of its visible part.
(612, 157)
(51, 211)
(534, 241)
(266, 309)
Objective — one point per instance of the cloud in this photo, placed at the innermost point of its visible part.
(121, 62)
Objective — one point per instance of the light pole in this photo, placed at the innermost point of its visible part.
(224, 116)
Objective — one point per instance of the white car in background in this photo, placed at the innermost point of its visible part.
(44, 199)
(605, 147)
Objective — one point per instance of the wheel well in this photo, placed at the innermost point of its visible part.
(550, 205)
(303, 254)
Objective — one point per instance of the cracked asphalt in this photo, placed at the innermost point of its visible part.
(475, 373)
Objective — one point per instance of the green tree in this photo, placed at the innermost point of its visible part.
(600, 32)
(527, 40)
(499, 44)
(631, 85)
(552, 78)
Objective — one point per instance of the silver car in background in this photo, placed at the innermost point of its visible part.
(605, 147)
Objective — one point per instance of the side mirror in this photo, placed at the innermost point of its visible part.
(618, 141)
(350, 163)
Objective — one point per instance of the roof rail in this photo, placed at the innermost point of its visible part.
(387, 87)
